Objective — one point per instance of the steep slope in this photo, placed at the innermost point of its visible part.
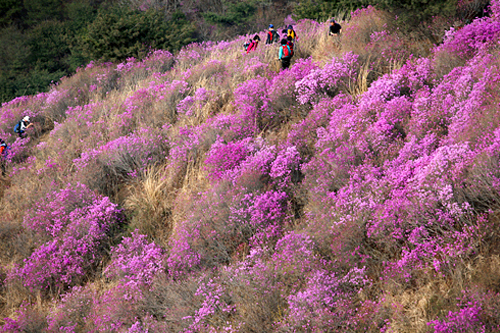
(357, 191)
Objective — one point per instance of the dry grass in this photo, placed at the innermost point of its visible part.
(360, 86)
(150, 204)
(172, 301)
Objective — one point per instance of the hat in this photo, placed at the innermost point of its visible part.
(332, 20)
(27, 118)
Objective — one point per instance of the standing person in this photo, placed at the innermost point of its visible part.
(289, 42)
(4, 149)
(254, 43)
(335, 28)
(291, 33)
(22, 126)
(272, 35)
(285, 54)
(284, 32)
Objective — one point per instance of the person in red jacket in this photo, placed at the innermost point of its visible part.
(272, 35)
(3, 156)
(253, 45)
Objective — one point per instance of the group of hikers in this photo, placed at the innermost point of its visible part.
(289, 37)
(20, 129)
(286, 43)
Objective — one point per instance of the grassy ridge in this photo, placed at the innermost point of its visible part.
(211, 192)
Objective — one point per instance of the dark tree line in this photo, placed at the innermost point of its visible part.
(44, 40)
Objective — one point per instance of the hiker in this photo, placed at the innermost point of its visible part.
(253, 43)
(4, 149)
(289, 42)
(272, 35)
(290, 32)
(22, 126)
(285, 54)
(335, 28)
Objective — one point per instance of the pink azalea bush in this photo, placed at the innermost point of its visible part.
(135, 260)
(73, 227)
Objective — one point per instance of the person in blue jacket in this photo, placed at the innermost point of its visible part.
(285, 54)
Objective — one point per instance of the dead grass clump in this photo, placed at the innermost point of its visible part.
(309, 34)
(327, 46)
(258, 309)
(150, 203)
(364, 22)
(445, 61)
(486, 272)
(172, 301)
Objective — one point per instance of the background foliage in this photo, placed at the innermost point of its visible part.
(44, 40)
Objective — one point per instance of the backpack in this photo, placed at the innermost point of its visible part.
(291, 33)
(4, 150)
(290, 45)
(252, 46)
(276, 37)
(17, 128)
(286, 51)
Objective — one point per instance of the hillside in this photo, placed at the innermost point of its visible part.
(210, 191)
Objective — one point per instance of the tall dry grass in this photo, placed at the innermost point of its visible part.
(150, 203)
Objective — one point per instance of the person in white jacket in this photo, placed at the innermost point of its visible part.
(23, 125)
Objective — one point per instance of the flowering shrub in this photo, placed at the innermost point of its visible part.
(191, 104)
(213, 308)
(337, 76)
(75, 222)
(125, 157)
(85, 309)
(464, 320)
(327, 301)
(224, 157)
(135, 260)
(475, 36)
(28, 319)
(159, 99)
(252, 99)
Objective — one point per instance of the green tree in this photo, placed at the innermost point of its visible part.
(10, 12)
(233, 14)
(322, 10)
(79, 14)
(14, 51)
(121, 32)
(410, 12)
(415, 11)
(43, 10)
(48, 46)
